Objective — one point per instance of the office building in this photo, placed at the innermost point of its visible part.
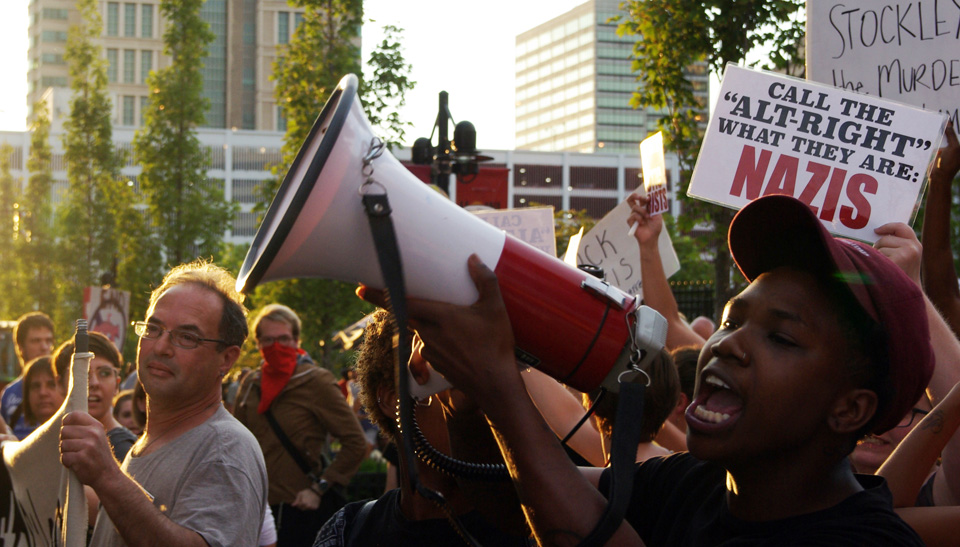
(236, 74)
(574, 82)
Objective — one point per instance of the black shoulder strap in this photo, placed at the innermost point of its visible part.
(285, 441)
(357, 526)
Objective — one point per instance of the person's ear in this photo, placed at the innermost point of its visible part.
(419, 367)
(682, 403)
(852, 410)
(387, 400)
(230, 356)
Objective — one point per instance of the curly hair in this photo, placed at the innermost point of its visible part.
(233, 319)
(375, 367)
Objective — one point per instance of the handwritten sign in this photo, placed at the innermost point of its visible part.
(609, 246)
(857, 161)
(654, 173)
(533, 225)
(907, 51)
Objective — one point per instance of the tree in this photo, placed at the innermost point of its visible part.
(37, 244)
(385, 86)
(675, 35)
(86, 220)
(188, 211)
(323, 49)
(9, 220)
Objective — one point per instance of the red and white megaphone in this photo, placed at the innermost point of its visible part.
(567, 323)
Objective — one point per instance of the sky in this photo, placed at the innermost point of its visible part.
(462, 47)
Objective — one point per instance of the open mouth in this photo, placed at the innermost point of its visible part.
(716, 404)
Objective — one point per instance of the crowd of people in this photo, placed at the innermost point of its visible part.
(820, 409)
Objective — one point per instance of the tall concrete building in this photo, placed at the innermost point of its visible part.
(574, 83)
(236, 73)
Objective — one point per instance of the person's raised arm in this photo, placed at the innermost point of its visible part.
(472, 346)
(899, 242)
(85, 451)
(656, 288)
(939, 274)
(909, 466)
(562, 410)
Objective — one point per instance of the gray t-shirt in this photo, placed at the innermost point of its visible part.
(210, 479)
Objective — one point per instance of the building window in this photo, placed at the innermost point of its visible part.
(281, 120)
(146, 21)
(53, 36)
(113, 18)
(297, 19)
(53, 81)
(283, 27)
(130, 20)
(112, 61)
(146, 64)
(129, 66)
(144, 106)
(55, 13)
(128, 110)
(53, 59)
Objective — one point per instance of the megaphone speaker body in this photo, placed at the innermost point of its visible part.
(316, 227)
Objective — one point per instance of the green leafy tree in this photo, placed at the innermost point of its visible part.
(86, 220)
(385, 85)
(37, 244)
(675, 35)
(10, 285)
(188, 211)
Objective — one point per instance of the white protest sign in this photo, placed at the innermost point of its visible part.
(654, 173)
(533, 225)
(906, 51)
(858, 161)
(609, 246)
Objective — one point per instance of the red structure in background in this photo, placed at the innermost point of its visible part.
(488, 187)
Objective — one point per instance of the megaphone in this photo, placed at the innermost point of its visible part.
(567, 323)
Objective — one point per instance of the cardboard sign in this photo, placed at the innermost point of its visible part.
(654, 173)
(609, 246)
(906, 51)
(107, 311)
(858, 161)
(533, 225)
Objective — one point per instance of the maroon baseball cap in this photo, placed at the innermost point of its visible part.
(775, 231)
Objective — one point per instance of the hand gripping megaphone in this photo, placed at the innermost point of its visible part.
(567, 323)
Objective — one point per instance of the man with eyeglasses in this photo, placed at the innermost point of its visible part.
(305, 405)
(196, 477)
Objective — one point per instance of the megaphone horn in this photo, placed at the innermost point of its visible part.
(569, 324)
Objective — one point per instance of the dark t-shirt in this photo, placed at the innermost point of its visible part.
(121, 440)
(384, 525)
(679, 500)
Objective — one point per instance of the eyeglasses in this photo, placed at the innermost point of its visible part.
(180, 338)
(907, 420)
(284, 339)
(105, 373)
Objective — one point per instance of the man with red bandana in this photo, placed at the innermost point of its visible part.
(828, 342)
(306, 403)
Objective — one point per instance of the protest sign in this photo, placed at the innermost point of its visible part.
(609, 246)
(533, 225)
(107, 311)
(654, 173)
(906, 51)
(858, 161)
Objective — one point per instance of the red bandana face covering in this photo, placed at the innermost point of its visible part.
(279, 362)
